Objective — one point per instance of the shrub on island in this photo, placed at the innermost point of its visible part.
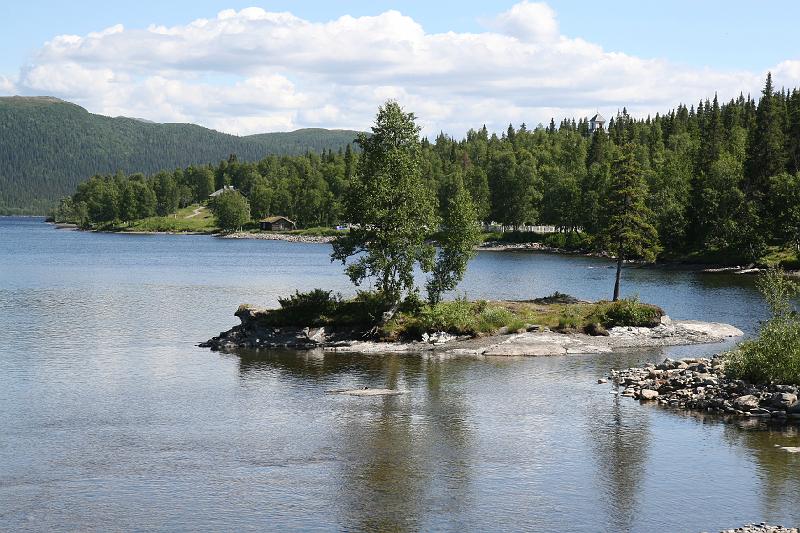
(413, 317)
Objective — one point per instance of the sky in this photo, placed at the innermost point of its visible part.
(248, 67)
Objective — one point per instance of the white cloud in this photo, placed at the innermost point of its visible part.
(252, 70)
(7, 87)
(530, 22)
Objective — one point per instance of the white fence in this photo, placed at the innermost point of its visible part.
(535, 229)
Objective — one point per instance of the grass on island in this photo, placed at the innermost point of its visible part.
(459, 317)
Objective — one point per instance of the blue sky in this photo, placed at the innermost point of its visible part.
(643, 55)
(731, 33)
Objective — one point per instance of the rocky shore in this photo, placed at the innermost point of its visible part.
(532, 340)
(761, 528)
(499, 246)
(701, 385)
(267, 236)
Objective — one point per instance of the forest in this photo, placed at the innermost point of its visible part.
(719, 179)
(48, 146)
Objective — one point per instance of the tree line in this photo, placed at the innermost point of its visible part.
(722, 176)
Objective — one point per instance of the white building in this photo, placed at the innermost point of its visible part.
(596, 123)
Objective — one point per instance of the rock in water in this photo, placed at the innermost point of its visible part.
(783, 400)
(316, 335)
(648, 395)
(367, 392)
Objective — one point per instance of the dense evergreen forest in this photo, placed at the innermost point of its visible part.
(48, 146)
(716, 177)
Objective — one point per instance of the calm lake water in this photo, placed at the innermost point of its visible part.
(112, 419)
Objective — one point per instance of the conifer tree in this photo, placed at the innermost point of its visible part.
(767, 156)
(628, 233)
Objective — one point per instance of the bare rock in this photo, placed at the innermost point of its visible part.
(316, 335)
(648, 395)
(783, 400)
(747, 402)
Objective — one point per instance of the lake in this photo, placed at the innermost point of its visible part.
(112, 418)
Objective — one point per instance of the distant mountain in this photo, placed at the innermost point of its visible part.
(47, 146)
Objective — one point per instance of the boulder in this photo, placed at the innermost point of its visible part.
(667, 364)
(316, 335)
(648, 395)
(783, 400)
(746, 402)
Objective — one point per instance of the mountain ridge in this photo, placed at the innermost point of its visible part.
(49, 145)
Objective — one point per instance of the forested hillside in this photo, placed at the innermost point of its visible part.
(48, 146)
(716, 177)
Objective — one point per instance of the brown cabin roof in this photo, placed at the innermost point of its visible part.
(273, 220)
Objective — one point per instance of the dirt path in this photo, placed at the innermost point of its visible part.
(195, 212)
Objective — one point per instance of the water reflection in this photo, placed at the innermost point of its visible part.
(113, 419)
(779, 470)
(404, 456)
(619, 438)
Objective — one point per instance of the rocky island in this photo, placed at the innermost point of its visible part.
(544, 327)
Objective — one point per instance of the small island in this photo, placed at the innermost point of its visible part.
(554, 325)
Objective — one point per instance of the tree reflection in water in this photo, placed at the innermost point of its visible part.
(401, 457)
(620, 438)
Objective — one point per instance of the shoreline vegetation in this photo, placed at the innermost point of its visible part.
(396, 227)
(492, 242)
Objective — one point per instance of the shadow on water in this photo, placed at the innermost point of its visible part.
(779, 470)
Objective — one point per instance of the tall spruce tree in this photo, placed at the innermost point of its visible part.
(767, 154)
(628, 233)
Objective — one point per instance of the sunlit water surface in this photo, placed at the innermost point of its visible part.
(112, 419)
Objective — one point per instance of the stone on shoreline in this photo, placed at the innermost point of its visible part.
(268, 236)
(761, 528)
(701, 385)
(647, 394)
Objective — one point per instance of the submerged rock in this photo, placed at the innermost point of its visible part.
(367, 392)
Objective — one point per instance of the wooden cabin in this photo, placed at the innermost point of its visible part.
(276, 224)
